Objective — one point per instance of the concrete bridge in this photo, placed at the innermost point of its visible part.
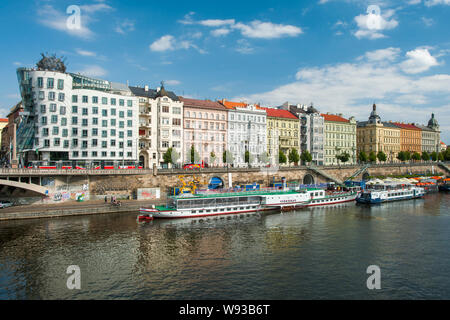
(11, 188)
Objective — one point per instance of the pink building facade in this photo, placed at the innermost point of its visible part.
(205, 128)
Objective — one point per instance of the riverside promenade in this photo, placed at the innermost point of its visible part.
(66, 209)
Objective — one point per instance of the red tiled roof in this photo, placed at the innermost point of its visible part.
(233, 105)
(333, 117)
(279, 113)
(208, 104)
(3, 120)
(406, 126)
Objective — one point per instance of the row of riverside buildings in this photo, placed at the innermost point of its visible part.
(70, 117)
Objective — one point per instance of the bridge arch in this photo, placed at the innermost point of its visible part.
(308, 179)
(8, 187)
(216, 183)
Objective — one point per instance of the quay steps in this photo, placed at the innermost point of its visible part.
(324, 174)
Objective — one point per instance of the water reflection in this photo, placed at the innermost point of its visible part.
(312, 253)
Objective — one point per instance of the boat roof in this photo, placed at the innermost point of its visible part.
(233, 194)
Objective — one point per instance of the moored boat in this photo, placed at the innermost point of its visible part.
(386, 193)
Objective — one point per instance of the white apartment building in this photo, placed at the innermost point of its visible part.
(247, 131)
(71, 117)
(311, 131)
(160, 125)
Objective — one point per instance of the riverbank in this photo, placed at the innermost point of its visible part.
(66, 209)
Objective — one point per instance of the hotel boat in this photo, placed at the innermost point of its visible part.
(387, 193)
(245, 202)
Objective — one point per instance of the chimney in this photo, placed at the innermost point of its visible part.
(146, 88)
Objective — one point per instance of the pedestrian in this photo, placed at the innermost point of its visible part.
(106, 199)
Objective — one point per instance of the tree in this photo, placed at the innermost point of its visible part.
(167, 156)
(434, 156)
(401, 156)
(372, 156)
(416, 156)
(248, 157)
(212, 157)
(227, 157)
(294, 157)
(306, 156)
(441, 156)
(194, 157)
(281, 157)
(362, 156)
(425, 156)
(381, 156)
(407, 155)
(447, 154)
(344, 157)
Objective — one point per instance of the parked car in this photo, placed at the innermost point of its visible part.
(5, 204)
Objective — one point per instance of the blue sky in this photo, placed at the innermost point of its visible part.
(329, 52)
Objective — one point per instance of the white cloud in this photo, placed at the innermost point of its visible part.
(267, 30)
(419, 60)
(350, 88)
(169, 43)
(220, 32)
(216, 22)
(125, 26)
(164, 43)
(85, 53)
(172, 82)
(93, 71)
(430, 3)
(389, 54)
(371, 25)
(244, 47)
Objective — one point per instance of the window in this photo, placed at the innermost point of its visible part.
(113, 101)
(84, 111)
(113, 122)
(121, 102)
(104, 144)
(130, 103)
(84, 122)
(75, 142)
(50, 83)
(61, 96)
(54, 119)
(61, 84)
(74, 109)
(66, 143)
(43, 120)
(165, 109)
(94, 142)
(74, 98)
(85, 99)
(95, 110)
(104, 133)
(95, 121)
(75, 154)
(41, 95)
(176, 122)
(51, 95)
(64, 132)
(121, 135)
(104, 123)
(121, 114)
(95, 100)
(176, 110)
(74, 132)
(113, 133)
(113, 112)
(40, 82)
(129, 133)
(94, 153)
(104, 112)
(46, 143)
(64, 121)
(74, 120)
(84, 144)
(130, 123)
(129, 113)
(104, 100)
(43, 108)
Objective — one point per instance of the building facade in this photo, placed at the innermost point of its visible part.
(340, 138)
(410, 137)
(205, 128)
(311, 130)
(70, 117)
(430, 136)
(160, 124)
(247, 131)
(375, 135)
(282, 133)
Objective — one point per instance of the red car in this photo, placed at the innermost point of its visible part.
(194, 165)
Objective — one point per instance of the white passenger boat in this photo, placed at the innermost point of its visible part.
(202, 205)
(386, 193)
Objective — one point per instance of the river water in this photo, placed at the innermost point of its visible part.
(316, 253)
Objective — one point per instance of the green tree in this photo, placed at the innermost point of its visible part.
(227, 157)
(362, 156)
(425, 156)
(193, 155)
(416, 156)
(306, 157)
(381, 156)
(212, 157)
(434, 156)
(281, 157)
(294, 157)
(407, 155)
(372, 156)
(343, 157)
(167, 156)
(441, 156)
(248, 157)
(447, 154)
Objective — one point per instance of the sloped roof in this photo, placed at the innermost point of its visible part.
(406, 126)
(207, 104)
(279, 113)
(152, 93)
(333, 117)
